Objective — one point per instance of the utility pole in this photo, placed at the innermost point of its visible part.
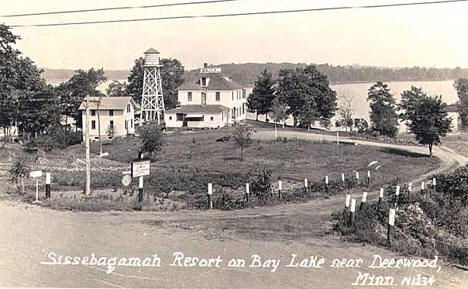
(99, 125)
(88, 161)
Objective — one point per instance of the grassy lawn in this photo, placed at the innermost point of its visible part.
(457, 142)
(190, 160)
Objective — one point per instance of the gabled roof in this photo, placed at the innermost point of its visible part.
(108, 102)
(197, 108)
(217, 81)
(151, 51)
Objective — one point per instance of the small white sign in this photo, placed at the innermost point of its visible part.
(391, 217)
(140, 169)
(397, 191)
(364, 197)
(280, 185)
(47, 178)
(35, 174)
(348, 200)
(381, 193)
(353, 205)
(126, 180)
(210, 189)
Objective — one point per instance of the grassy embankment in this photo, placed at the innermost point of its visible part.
(428, 223)
(190, 160)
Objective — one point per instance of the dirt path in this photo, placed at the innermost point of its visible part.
(29, 233)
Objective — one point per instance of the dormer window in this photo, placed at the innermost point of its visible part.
(203, 81)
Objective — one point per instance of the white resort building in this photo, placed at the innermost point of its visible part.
(208, 99)
(113, 117)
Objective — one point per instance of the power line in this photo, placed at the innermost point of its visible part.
(239, 14)
(115, 8)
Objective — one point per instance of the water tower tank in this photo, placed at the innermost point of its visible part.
(151, 57)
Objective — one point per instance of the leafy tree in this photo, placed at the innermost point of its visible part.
(19, 170)
(278, 112)
(461, 86)
(73, 92)
(345, 113)
(307, 93)
(172, 73)
(261, 98)
(152, 139)
(425, 116)
(242, 136)
(116, 88)
(383, 114)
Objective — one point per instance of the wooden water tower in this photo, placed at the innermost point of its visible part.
(152, 101)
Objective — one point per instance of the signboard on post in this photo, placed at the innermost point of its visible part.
(140, 169)
(35, 174)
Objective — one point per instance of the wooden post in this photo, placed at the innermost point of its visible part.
(347, 201)
(140, 189)
(343, 180)
(397, 194)
(422, 186)
(357, 178)
(381, 195)
(210, 192)
(326, 183)
(280, 187)
(363, 201)
(306, 186)
(391, 223)
(410, 189)
(87, 140)
(368, 178)
(37, 191)
(247, 192)
(352, 212)
(47, 186)
(434, 184)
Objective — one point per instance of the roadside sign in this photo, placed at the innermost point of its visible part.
(140, 169)
(35, 174)
(126, 180)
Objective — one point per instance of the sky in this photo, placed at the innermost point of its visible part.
(427, 35)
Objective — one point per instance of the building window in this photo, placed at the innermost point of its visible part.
(131, 123)
(111, 112)
(93, 112)
(93, 124)
(218, 96)
(203, 81)
(126, 124)
(189, 96)
(211, 118)
(170, 118)
(232, 95)
(180, 117)
(111, 124)
(129, 109)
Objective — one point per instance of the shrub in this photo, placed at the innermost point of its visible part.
(260, 184)
(152, 139)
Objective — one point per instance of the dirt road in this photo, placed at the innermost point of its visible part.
(29, 233)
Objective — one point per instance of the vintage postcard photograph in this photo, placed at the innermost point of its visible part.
(234, 144)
